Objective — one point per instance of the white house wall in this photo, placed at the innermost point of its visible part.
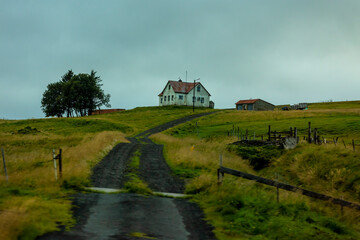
(198, 96)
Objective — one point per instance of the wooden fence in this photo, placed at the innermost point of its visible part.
(222, 170)
(55, 157)
(312, 136)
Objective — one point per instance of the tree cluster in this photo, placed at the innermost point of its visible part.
(75, 94)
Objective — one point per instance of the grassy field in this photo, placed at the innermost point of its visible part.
(241, 209)
(33, 203)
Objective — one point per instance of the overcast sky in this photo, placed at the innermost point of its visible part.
(284, 52)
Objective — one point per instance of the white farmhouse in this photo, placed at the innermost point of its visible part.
(183, 93)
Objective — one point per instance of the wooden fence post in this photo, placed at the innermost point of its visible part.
(5, 169)
(220, 174)
(60, 163)
(54, 158)
(353, 143)
(277, 187)
(309, 133)
(295, 135)
(269, 133)
(315, 136)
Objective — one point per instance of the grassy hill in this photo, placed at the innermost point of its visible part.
(241, 209)
(32, 202)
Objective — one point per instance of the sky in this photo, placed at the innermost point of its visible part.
(282, 51)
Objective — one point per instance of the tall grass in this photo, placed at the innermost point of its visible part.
(241, 209)
(33, 203)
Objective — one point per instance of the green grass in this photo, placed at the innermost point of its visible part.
(240, 209)
(28, 148)
(134, 184)
(330, 124)
(335, 105)
(251, 213)
(130, 122)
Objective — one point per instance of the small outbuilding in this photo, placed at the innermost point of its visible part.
(254, 105)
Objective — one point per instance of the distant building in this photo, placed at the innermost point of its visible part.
(254, 105)
(104, 111)
(300, 106)
(184, 93)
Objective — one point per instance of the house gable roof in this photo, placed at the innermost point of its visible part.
(182, 87)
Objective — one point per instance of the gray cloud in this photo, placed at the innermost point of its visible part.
(281, 51)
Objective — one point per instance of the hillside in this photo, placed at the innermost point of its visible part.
(32, 202)
(241, 209)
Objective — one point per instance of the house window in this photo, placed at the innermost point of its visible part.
(161, 100)
(165, 99)
(198, 99)
(198, 88)
(169, 98)
(181, 97)
(169, 86)
(202, 100)
(172, 98)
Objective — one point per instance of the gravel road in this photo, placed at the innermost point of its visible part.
(132, 216)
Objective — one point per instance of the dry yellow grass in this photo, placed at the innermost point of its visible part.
(204, 154)
(36, 202)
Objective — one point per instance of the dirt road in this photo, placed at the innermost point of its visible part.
(132, 216)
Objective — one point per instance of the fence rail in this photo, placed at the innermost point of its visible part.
(312, 136)
(222, 170)
(55, 157)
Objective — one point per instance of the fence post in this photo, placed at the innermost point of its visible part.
(60, 163)
(220, 174)
(197, 130)
(353, 143)
(277, 187)
(269, 133)
(295, 135)
(5, 169)
(309, 133)
(54, 158)
(315, 136)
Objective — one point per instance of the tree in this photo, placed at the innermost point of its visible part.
(52, 102)
(79, 94)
